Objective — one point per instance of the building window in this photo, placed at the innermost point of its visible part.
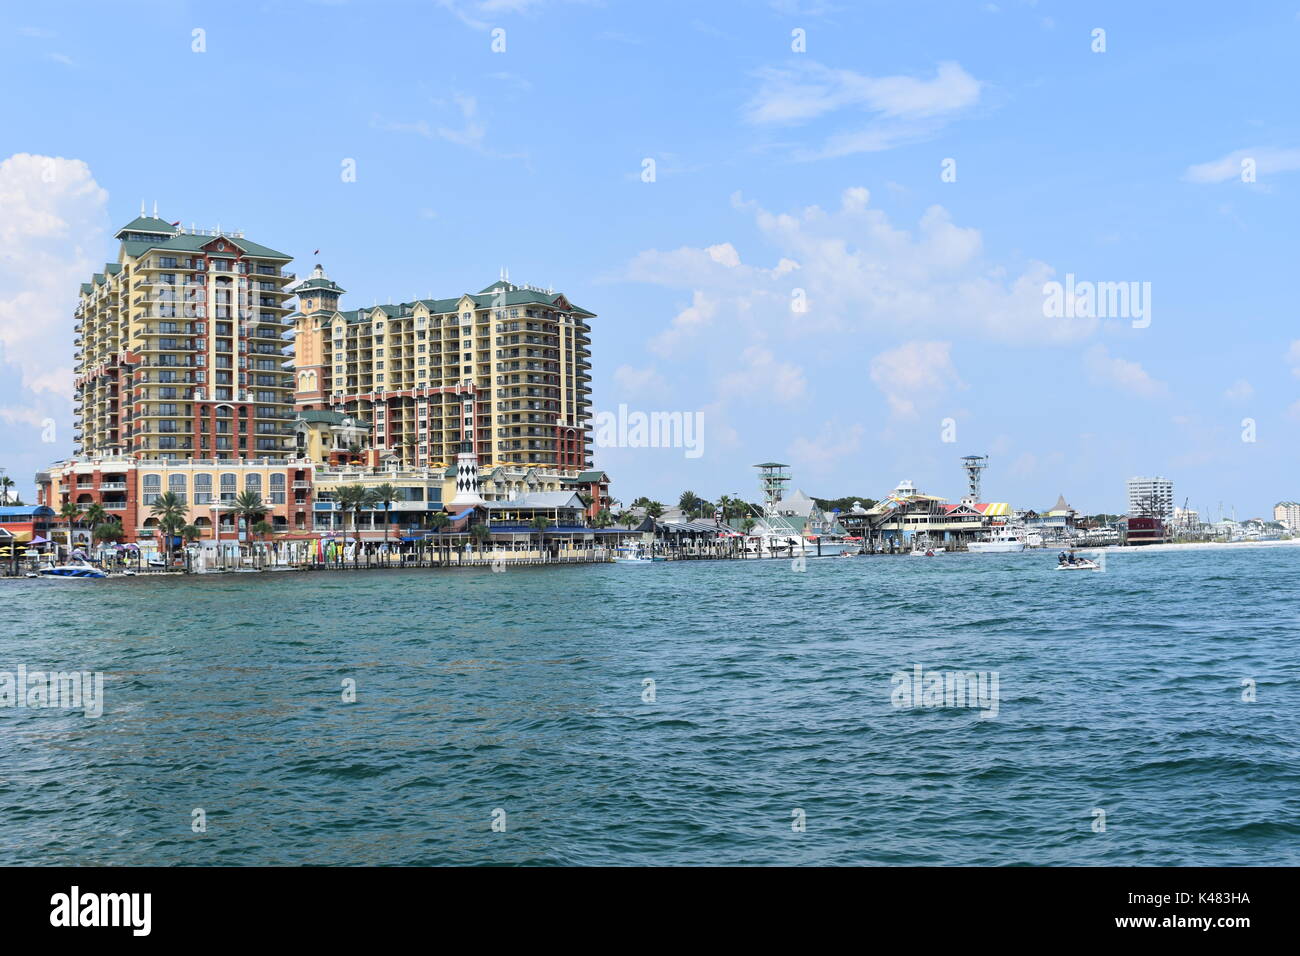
(203, 489)
(228, 479)
(176, 485)
(253, 482)
(152, 488)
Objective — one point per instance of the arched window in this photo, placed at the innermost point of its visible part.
(253, 482)
(203, 489)
(152, 488)
(228, 484)
(277, 489)
(176, 484)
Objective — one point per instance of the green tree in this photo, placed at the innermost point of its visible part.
(439, 522)
(171, 513)
(72, 514)
(690, 503)
(385, 495)
(6, 488)
(110, 530)
(541, 523)
(480, 534)
(353, 499)
(654, 509)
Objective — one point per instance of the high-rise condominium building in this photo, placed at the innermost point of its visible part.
(505, 371)
(1288, 512)
(179, 350)
(1151, 497)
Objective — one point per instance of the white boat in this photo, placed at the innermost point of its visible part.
(632, 556)
(79, 571)
(926, 552)
(1081, 564)
(281, 567)
(1005, 540)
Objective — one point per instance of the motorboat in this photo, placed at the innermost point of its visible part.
(926, 552)
(1004, 540)
(1079, 564)
(632, 556)
(81, 570)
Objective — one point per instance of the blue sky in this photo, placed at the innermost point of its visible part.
(775, 170)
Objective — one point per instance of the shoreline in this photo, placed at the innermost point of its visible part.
(1185, 546)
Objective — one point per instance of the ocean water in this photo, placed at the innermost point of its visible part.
(521, 697)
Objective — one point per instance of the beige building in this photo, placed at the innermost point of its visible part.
(1288, 512)
(507, 369)
(179, 349)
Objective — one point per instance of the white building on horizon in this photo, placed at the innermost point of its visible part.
(1151, 496)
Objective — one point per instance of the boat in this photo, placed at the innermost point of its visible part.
(1080, 564)
(81, 570)
(926, 552)
(633, 556)
(1005, 540)
(281, 567)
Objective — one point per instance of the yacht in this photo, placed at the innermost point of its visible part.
(1004, 540)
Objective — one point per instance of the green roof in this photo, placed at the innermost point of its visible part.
(147, 224)
(587, 477)
(87, 288)
(319, 282)
(186, 242)
(486, 299)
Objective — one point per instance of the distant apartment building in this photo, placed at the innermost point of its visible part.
(506, 369)
(1288, 513)
(179, 349)
(1151, 498)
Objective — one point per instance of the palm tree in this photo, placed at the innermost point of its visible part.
(354, 499)
(262, 529)
(72, 513)
(191, 533)
(603, 519)
(110, 530)
(690, 503)
(95, 515)
(385, 495)
(480, 534)
(654, 509)
(171, 513)
(6, 483)
(541, 523)
(439, 522)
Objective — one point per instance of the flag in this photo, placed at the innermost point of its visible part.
(176, 223)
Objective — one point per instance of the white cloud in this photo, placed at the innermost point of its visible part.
(53, 223)
(1267, 160)
(1106, 370)
(1293, 357)
(914, 375)
(821, 452)
(685, 324)
(1239, 391)
(762, 376)
(859, 274)
(903, 108)
(639, 381)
